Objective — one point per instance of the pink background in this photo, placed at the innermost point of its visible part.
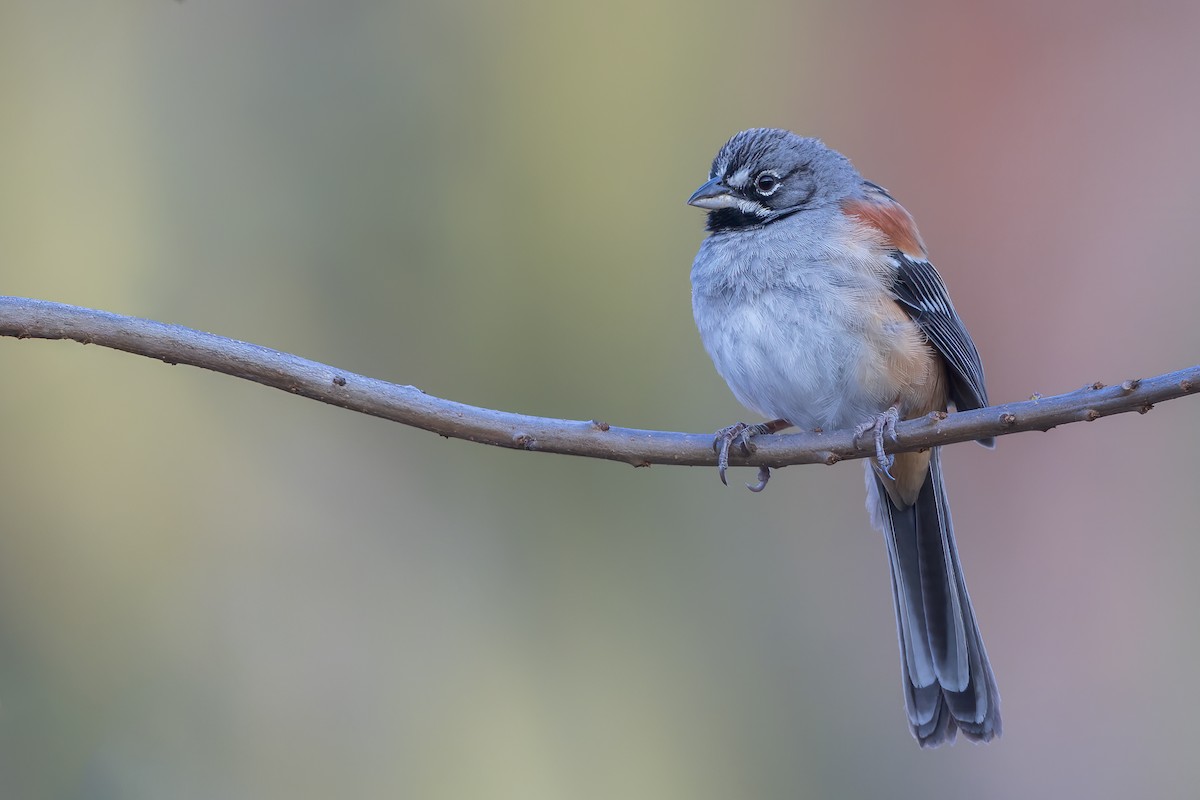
(211, 589)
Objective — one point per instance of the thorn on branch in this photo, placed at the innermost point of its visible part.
(1097, 386)
(1146, 408)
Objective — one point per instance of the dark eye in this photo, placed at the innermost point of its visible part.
(766, 183)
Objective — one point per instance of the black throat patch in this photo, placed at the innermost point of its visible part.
(731, 219)
(724, 220)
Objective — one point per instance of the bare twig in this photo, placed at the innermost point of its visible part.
(37, 319)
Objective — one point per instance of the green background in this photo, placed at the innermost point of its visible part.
(212, 589)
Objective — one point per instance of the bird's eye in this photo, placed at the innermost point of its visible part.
(766, 183)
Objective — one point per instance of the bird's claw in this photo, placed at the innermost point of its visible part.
(764, 475)
(738, 434)
(882, 424)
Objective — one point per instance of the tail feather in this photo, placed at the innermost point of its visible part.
(948, 682)
(940, 580)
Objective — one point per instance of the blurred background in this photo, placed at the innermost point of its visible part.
(213, 589)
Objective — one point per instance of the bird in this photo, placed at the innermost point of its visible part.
(814, 295)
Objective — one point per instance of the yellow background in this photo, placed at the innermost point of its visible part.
(212, 589)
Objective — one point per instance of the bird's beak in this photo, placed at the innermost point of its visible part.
(714, 194)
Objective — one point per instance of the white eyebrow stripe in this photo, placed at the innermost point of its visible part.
(739, 179)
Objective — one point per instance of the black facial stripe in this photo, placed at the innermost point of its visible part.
(732, 219)
(785, 213)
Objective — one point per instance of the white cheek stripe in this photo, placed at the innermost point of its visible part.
(740, 203)
(750, 207)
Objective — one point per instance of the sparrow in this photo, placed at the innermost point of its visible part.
(816, 300)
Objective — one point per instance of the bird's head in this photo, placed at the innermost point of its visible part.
(765, 174)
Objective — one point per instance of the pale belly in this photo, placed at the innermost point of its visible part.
(788, 356)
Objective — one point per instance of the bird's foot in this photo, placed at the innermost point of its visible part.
(882, 424)
(739, 435)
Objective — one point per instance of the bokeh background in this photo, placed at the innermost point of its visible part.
(212, 589)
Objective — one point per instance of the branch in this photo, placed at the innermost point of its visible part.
(38, 319)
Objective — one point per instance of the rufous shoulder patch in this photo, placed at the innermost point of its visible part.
(894, 224)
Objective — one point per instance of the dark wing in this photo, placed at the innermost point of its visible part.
(921, 293)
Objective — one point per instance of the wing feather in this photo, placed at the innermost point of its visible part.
(921, 292)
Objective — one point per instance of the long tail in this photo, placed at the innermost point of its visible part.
(948, 682)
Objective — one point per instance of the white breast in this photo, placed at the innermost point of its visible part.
(787, 321)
